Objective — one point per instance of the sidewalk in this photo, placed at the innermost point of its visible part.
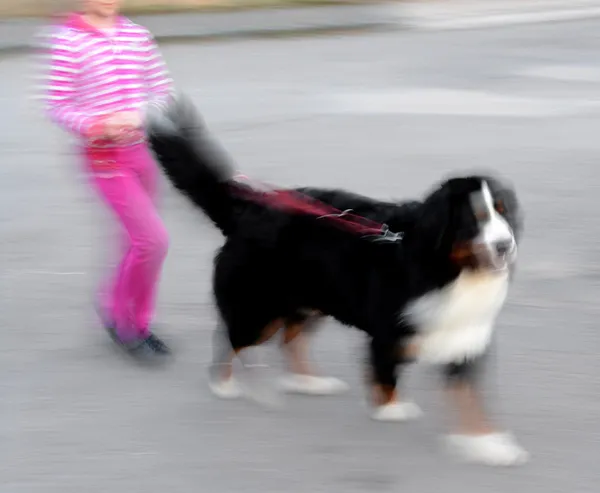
(468, 14)
(18, 34)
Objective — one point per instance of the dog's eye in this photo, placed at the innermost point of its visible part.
(499, 206)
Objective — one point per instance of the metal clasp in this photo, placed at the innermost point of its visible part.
(387, 235)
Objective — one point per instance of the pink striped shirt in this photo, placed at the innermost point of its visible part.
(94, 74)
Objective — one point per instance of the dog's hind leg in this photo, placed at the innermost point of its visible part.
(301, 377)
(221, 380)
(231, 342)
(296, 336)
(256, 385)
(477, 440)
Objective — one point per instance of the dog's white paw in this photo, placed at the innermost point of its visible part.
(397, 411)
(311, 385)
(225, 389)
(495, 449)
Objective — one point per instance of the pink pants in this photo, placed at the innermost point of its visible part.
(130, 191)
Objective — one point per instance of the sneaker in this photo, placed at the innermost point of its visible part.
(157, 345)
(151, 349)
(148, 350)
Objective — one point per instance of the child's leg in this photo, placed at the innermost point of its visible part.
(145, 296)
(140, 267)
(105, 296)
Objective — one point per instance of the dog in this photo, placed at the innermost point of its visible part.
(427, 288)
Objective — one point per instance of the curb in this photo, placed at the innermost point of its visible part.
(24, 49)
(276, 33)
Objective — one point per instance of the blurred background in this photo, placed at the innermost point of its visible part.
(37, 7)
(383, 98)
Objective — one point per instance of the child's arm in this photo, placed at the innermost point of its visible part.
(158, 80)
(59, 90)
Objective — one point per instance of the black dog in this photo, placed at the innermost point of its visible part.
(430, 290)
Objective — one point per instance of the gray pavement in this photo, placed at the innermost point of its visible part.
(383, 114)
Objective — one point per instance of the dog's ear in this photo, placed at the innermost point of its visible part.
(511, 210)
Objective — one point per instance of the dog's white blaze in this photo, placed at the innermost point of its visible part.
(456, 323)
(496, 228)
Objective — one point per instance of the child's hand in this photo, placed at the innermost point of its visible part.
(119, 126)
(128, 119)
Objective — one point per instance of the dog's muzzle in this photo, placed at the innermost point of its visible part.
(498, 255)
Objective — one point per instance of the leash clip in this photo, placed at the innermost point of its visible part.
(388, 235)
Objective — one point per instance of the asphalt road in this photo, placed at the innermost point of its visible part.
(383, 114)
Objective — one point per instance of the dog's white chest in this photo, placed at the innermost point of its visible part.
(456, 322)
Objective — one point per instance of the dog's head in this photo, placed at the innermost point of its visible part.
(474, 221)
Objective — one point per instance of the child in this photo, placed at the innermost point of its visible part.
(105, 73)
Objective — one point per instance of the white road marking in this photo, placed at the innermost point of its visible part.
(471, 15)
(571, 73)
(21, 273)
(454, 102)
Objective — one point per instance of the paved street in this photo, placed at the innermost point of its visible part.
(383, 114)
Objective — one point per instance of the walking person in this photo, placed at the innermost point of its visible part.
(105, 73)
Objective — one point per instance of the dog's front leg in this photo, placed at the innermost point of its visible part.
(476, 438)
(384, 367)
(463, 382)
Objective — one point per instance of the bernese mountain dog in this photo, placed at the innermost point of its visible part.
(427, 287)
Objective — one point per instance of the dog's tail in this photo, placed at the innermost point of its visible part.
(192, 160)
